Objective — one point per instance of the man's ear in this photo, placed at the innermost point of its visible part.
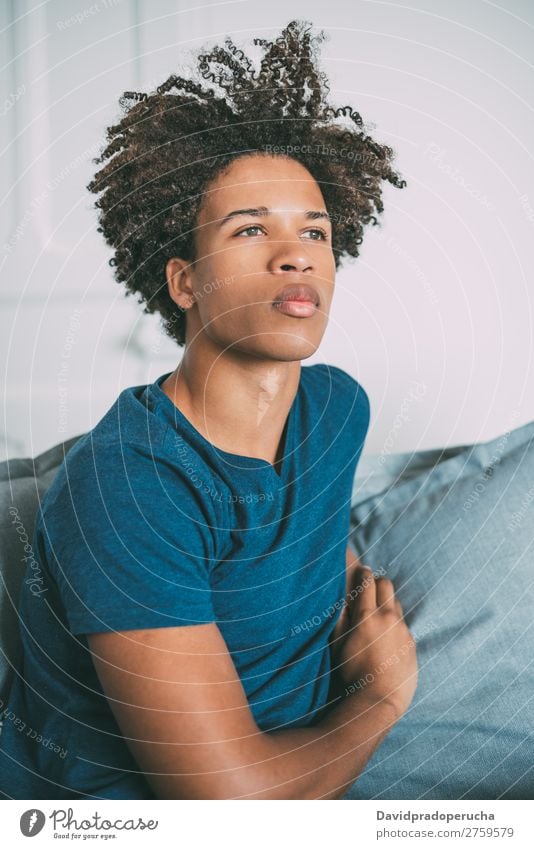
(179, 282)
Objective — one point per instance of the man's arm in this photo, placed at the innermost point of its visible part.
(181, 707)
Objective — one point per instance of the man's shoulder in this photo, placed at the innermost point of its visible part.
(122, 431)
(118, 488)
(339, 385)
(129, 451)
(132, 417)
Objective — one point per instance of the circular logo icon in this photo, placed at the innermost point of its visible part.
(31, 822)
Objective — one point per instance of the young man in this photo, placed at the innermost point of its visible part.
(204, 625)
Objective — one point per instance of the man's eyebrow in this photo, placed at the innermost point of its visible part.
(260, 211)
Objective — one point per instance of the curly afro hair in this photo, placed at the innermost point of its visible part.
(171, 144)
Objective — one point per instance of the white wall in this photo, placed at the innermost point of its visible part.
(435, 317)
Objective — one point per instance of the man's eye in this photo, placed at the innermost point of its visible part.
(250, 227)
(323, 234)
(318, 230)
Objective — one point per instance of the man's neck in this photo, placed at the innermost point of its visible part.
(238, 403)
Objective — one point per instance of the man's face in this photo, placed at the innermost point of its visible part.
(243, 262)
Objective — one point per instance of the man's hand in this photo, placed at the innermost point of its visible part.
(371, 634)
(378, 652)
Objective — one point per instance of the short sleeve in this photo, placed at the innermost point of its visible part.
(129, 540)
(363, 406)
(361, 416)
(357, 399)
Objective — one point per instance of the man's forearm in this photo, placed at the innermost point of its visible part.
(323, 761)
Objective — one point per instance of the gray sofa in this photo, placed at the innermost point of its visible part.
(23, 482)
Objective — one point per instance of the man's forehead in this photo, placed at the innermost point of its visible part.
(264, 190)
(222, 216)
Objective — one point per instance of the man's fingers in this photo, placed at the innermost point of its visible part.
(343, 620)
(385, 593)
(366, 589)
(369, 592)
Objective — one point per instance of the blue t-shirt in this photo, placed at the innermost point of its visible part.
(148, 525)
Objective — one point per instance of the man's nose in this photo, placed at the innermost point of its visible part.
(290, 256)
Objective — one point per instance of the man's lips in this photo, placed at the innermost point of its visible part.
(296, 309)
(297, 293)
(297, 301)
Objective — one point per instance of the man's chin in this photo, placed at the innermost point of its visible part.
(284, 350)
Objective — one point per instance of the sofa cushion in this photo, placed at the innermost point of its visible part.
(457, 540)
(23, 482)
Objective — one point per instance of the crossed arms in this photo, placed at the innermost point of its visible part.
(183, 712)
